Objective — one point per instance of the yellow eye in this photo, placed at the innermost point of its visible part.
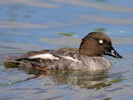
(100, 41)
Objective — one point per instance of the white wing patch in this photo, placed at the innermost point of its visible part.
(51, 57)
(44, 56)
(70, 58)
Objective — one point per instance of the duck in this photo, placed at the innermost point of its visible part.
(89, 56)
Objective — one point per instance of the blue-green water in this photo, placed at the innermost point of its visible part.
(50, 24)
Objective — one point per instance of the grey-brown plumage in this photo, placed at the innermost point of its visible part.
(88, 57)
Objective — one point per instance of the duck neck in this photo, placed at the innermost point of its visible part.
(89, 51)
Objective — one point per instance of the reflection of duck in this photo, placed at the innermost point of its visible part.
(88, 57)
(83, 79)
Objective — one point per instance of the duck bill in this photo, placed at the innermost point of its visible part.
(111, 52)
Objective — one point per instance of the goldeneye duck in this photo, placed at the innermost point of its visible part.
(88, 57)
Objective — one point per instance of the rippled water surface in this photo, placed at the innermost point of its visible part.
(50, 24)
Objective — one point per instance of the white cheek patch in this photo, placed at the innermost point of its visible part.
(44, 56)
(100, 41)
(70, 58)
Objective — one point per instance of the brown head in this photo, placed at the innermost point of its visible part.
(97, 44)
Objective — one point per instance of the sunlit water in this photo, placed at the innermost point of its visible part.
(50, 24)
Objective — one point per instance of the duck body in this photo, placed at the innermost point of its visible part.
(88, 57)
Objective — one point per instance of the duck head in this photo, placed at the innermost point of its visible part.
(97, 44)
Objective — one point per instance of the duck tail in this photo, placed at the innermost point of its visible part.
(30, 66)
(10, 62)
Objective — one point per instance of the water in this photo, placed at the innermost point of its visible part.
(50, 24)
